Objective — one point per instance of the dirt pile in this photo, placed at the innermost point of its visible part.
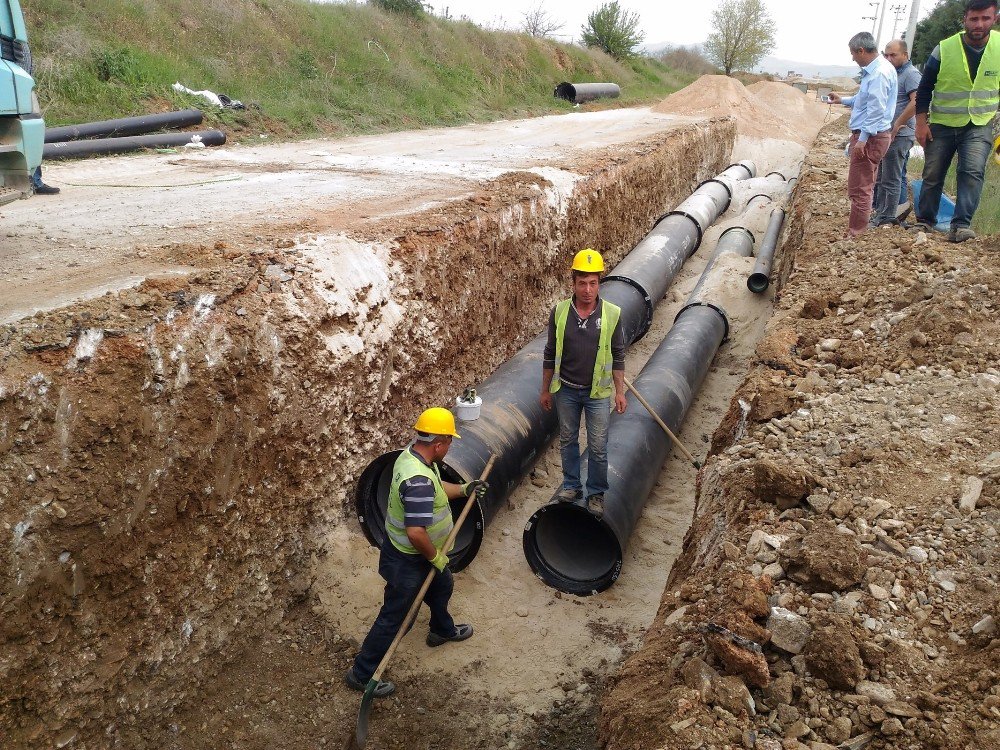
(879, 628)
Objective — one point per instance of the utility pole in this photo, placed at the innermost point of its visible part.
(911, 26)
(881, 18)
(897, 11)
(873, 17)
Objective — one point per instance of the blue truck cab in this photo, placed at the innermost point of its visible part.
(22, 130)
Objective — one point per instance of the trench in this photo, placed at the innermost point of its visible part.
(181, 567)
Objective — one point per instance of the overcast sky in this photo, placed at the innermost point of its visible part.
(806, 32)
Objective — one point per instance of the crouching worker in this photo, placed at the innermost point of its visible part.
(417, 525)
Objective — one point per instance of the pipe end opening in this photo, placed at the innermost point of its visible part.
(571, 550)
(758, 283)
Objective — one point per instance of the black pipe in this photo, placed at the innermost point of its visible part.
(125, 126)
(102, 146)
(568, 547)
(759, 279)
(512, 423)
(578, 93)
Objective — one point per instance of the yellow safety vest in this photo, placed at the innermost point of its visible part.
(958, 100)
(406, 467)
(601, 384)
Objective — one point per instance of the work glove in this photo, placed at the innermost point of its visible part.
(440, 561)
(478, 486)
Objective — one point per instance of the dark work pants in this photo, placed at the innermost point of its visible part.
(973, 144)
(403, 574)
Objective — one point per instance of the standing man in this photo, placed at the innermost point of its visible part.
(891, 185)
(417, 524)
(957, 99)
(583, 365)
(871, 117)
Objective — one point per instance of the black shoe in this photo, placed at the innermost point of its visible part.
(595, 504)
(383, 689)
(44, 189)
(462, 632)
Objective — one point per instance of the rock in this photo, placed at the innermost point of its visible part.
(699, 677)
(820, 746)
(841, 507)
(797, 730)
(783, 485)
(520, 612)
(986, 626)
(781, 690)
(789, 631)
(916, 554)
(891, 727)
(918, 339)
(878, 592)
(674, 617)
(877, 693)
(971, 492)
(829, 345)
(832, 652)
(899, 708)
(839, 730)
(823, 559)
(920, 239)
(730, 693)
(774, 571)
(750, 665)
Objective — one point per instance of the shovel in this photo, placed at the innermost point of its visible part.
(360, 737)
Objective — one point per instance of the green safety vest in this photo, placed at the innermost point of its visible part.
(601, 385)
(957, 98)
(407, 466)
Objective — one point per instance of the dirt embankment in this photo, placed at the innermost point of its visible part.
(838, 586)
(165, 450)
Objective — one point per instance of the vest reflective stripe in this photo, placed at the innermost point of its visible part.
(601, 384)
(406, 467)
(958, 100)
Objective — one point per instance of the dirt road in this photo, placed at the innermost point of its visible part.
(120, 220)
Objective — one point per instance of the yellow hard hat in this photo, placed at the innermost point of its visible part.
(437, 421)
(588, 261)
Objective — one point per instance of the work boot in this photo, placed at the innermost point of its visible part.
(567, 495)
(384, 687)
(462, 632)
(903, 210)
(43, 189)
(961, 234)
(595, 504)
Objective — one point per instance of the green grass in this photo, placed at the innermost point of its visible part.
(987, 218)
(311, 68)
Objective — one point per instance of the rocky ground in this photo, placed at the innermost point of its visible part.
(838, 587)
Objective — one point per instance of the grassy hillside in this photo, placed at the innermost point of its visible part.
(311, 68)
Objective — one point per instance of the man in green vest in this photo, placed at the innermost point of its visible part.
(957, 99)
(417, 524)
(583, 367)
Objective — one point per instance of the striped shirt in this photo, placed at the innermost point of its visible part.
(417, 494)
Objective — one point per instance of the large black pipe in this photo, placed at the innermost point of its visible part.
(578, 93)
(124, 126)
(567, 546)
(760, 277)
(104, 146)
(512, 423)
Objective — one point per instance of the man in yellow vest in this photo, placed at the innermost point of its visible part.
(417, 524)
(583, 367)
(957, 99)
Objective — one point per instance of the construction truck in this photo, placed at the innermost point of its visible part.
(22, 130)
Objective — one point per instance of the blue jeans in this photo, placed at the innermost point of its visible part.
(570, 404)
(36, 177)
(890, 177)
(973, 144)
(403, 574)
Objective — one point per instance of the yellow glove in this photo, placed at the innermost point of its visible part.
(440, 561)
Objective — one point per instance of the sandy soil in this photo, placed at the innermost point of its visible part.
(119, 220)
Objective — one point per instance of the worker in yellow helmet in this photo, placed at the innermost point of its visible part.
(583, 367)
(417, 524)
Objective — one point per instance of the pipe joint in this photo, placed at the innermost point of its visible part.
(711, 306)
(648, 321)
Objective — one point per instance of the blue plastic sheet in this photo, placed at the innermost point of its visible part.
(946, 208)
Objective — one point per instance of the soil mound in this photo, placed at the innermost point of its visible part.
(719, 96)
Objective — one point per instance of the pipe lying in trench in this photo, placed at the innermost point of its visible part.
(512, 423)
(104, 146)
(578, 93)
(566, 546)
(124, 126)
(760, 278)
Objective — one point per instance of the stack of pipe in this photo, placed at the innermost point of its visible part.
(126, 134)
(512, 423)
(568, 547)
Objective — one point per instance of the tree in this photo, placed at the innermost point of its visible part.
(413, 8)
(743, 34)
(539, 23)
(613, 30)
(942, 22)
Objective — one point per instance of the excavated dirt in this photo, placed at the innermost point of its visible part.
(177, 456)
(838, 586)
